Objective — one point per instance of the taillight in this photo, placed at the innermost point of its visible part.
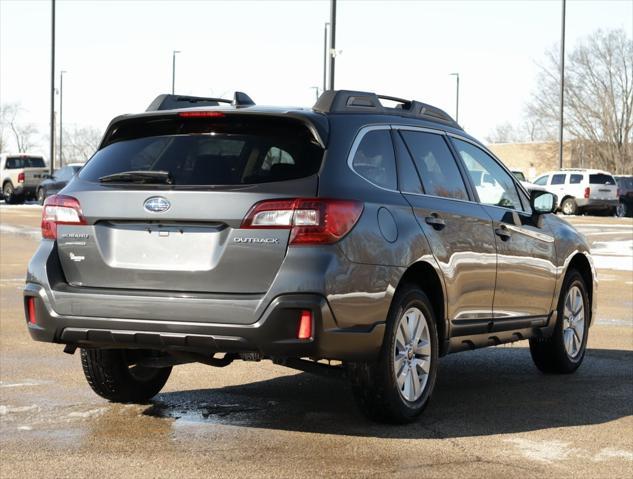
(305, 325)
(587, 191)
(60, 210)
(21, 177)
(30, 308)
(311, 220)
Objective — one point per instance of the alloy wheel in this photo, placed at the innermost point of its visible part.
(573, 322)
(412, 354)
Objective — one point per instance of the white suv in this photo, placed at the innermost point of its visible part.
(580, 190)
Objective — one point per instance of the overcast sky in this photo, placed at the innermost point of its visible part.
(118, 53)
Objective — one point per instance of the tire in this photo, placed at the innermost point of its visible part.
(551, 355)
(41, 196)
(376, 389)
(9, 193)
(569, 206)
(112, 375)
(620, 210)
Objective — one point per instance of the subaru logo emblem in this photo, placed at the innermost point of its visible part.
(156, 204)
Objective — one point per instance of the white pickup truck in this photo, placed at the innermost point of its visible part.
(20, 174)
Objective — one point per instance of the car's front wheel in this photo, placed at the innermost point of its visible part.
(115, 375)
(620, 210)
(397, 387)
(564, 351)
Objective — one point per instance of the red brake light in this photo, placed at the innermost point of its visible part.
(201, 114)
(30, 306)
(312, 221)
(587, 192)
(60, 210)
(305, 325)
(21, 177)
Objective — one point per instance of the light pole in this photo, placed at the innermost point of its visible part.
(61, 107)
(332, 41)
(52, 132)
(325, 27)
(173, 70)
(562, 87)
(456, 75)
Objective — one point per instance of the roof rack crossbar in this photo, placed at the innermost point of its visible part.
(347, 101)
(172, 102)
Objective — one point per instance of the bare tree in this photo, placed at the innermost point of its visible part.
(80, 143)
(24, 134)
(598, 99)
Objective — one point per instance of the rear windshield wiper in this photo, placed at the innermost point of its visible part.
(145, 176)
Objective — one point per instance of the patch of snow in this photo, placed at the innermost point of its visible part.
(87, 414)
(543, 451)
(23, 230)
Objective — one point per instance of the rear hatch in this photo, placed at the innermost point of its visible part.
(164, 199)
(602, 187)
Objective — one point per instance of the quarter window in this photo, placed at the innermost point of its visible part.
(374, 159)
(494, 185)
(436, 166)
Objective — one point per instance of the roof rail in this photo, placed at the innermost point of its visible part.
(172, 102)
(347, 101)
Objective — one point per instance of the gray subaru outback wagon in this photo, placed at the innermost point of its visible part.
(350, 238)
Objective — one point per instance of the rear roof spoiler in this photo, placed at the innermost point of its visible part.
(347, 101)
(173, 102)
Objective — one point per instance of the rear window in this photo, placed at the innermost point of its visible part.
(601, 179)
(625, 183)
(558, 179)
(206, 152)
(19, 162)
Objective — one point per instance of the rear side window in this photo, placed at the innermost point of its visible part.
(575, 179)
(202, 152)
(435, 164)
(541, 181)
(558, 179)
(374, 159)
(601, 179)
(19, 162)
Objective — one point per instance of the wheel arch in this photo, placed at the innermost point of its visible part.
(425, 275)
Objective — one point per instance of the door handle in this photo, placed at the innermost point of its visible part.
(503, 232)
(435, 221)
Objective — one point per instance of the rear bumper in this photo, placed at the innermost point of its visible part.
(589, 203)
(274, 334)
(24, 190)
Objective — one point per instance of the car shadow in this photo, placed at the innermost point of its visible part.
(490, 391)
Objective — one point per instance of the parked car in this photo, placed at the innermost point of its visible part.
(625, 194)
(54, 184)
(582, 190)
(19, 175)
(346, 239)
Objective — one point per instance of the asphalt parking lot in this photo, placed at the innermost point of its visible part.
(492, 414)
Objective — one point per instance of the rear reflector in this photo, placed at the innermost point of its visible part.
(311, 220)
(201, 114)
(305, 325)
(60, 210)
(21, 177)
(587, 192)
(30, 306)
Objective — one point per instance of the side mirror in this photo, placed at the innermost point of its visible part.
(543, 202)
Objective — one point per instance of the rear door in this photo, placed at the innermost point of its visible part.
(458, 230)
(187, 235)
(526, 255)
